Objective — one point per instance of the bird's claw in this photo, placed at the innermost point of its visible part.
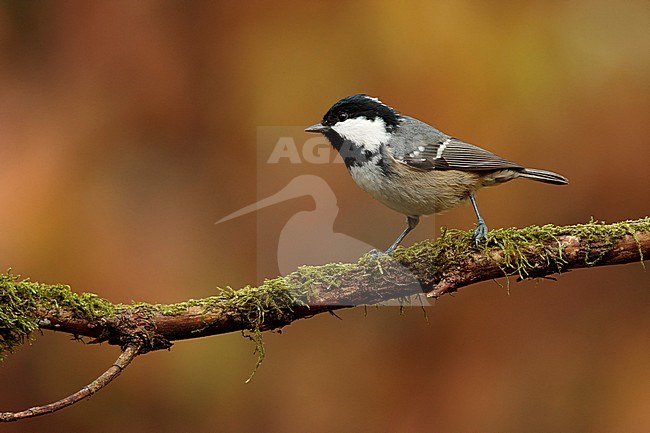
(376, 253)
(480, 232)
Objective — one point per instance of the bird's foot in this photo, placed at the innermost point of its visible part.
(376, 253)
(480, 232)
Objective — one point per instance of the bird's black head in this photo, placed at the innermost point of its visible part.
(357, 127)
(359, 119)
(361, 106)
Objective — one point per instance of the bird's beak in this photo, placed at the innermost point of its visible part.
(319, 127)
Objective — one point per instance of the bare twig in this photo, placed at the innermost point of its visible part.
(125, 358)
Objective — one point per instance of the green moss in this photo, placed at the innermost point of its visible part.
(269, 305)
(542, 241)
(307, 279)
(260, 307)
(507, 247)
(19, 301)
(428, 259)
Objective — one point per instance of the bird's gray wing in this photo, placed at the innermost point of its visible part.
(424, 147)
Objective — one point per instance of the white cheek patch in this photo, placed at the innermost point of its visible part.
(363, 132)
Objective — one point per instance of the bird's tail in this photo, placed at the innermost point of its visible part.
(543, 176)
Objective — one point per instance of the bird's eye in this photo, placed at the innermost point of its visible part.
(343, 116)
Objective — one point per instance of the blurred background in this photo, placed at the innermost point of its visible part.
(128, 128)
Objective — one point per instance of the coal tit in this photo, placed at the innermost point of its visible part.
(412, 167)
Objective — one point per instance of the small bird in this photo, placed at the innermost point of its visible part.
(410, 166)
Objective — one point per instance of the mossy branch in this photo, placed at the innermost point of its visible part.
(433, 268)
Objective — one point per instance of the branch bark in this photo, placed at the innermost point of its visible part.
(431, 268)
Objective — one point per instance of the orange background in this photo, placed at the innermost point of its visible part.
(128, 128)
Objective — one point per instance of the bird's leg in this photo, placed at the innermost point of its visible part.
(411, 223)
(481, 230)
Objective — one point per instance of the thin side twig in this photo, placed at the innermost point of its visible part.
(125, 358)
